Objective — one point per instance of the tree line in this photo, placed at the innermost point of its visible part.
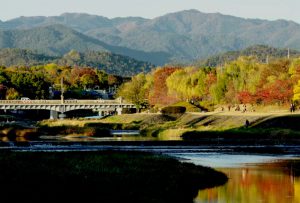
(244, 80)
(35, 81)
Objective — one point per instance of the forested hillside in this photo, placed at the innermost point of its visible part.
(262, 53)
(57, 40)
(109, 62)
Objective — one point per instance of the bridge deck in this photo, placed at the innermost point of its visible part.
(65, 106)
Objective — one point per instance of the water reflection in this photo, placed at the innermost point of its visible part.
(112, 138)
(115, 135)
(270, 182)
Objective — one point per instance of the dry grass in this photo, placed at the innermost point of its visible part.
(66, 122)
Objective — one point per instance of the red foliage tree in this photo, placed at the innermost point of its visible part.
(159, 93)
(263, 96)
(245, 97)
(281, 91)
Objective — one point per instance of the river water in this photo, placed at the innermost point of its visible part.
(252, 177)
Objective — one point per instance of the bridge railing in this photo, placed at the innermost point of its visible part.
(98, 101)
(29, 101)
(73, 101)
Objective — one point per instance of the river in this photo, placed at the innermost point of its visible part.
(252, 177)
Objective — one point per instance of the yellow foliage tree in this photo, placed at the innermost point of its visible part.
(296, 90)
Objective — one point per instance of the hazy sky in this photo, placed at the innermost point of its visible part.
(264, 9)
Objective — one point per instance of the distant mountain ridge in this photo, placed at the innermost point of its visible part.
(58, 39)
(109, 62)
(180, 36)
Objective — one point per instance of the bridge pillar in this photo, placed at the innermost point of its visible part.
(119, 110)
(100, 113)
(62, 116)
(53, 114)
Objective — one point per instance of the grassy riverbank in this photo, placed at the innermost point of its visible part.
(263, 129)
(101, 127)
(189, 126)
(233, 123)
(101, 177)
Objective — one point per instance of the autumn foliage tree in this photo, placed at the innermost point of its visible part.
(246, 97)
(159, 94)
(296, 91)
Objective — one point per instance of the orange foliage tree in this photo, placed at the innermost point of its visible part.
(245, 97)
(159, 93)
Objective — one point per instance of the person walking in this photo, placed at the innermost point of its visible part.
(292, 107)
(247, 123)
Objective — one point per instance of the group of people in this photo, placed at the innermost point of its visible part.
(237, 108)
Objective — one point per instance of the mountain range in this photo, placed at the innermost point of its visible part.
(176, 37)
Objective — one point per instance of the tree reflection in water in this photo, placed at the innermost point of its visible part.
(271, 183)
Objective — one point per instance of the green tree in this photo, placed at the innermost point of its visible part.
(135, 90)
(102, 79)
(30, 85)
(88, 81)
(188, 83)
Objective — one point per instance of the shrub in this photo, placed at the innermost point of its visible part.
(173, 110)
(206, 106)
(129, 110)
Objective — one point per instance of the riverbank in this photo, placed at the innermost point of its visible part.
(212, 121)
(261, 129)
(105, 176)
(210, 128)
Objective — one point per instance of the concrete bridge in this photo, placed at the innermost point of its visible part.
(61, 106)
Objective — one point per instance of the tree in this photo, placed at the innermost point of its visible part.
(159, 93)
(11, 94)
(112, 80)
(280, 91)
(51, 71)
(218, 89)
(3, 90)
(190, 83)
(246, 97)
(88, 80)
(102, 78)
(296, 91)
(294, 70)
(30, 85)
(135, 90)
